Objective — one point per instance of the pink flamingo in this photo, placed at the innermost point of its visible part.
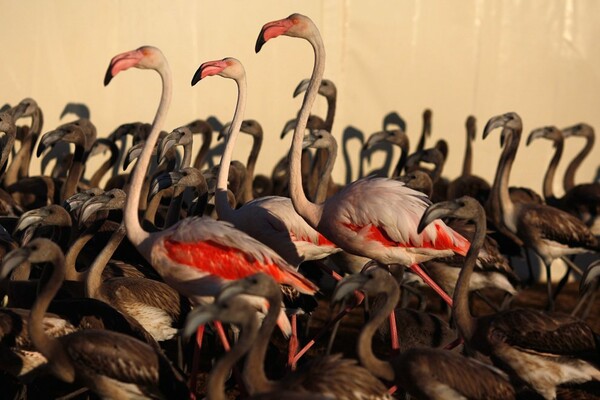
(198, 254)
(372, 217)
(270, 219)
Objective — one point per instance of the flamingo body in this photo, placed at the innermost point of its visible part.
(202, 252)
(383, 225)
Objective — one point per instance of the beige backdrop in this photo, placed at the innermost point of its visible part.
(539, 58)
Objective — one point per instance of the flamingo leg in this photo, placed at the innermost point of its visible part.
(293, 345)
(327, 326)
(196, 359)
(394, 333)
(416, 268)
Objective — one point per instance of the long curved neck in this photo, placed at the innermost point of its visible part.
(465, 323)
(468, 160)
(254, 370)
(37, 122)
(93, 278)
(75, 172)
(569, 178)
(49, 346)
(136, 234)
(224, 210)
(216, 382)
(206, 141)
(505, 207)
(106, 165)
(71, 273)
(311, 212)
(251, 166)
(331, 106)
(551, 171)
(381, 369)
(325, 176)
(174, 211)
(8, 147)
(403, 144)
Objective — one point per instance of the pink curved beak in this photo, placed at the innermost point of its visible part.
(271, 30)
(208, 68)
(121, 62)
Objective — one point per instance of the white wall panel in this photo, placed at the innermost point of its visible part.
(540, 58)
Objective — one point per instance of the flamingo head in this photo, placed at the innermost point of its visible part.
(465, 207)
(510, 123)
(145, 57)
(296, 25)
(368, 281)
(37, 251)
(547, 132)
(228, 67)
(471, 127)
(581, 130)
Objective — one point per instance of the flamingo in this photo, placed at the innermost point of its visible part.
(551, 233)
(197, 254)
(373, 217)
(111, 364)
(270, 219)
(541, 349)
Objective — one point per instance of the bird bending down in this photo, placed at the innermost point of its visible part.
(372, 217)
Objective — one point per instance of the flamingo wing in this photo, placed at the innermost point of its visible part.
(218, 249)
(390, 214)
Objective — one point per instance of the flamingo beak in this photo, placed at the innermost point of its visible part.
(436, 211)
(290, 125)
(271, 30)
(591, 274)
(12, 260)
(199, 316)
(536, 134)
(121, 62)
(494, 122)
(208, 68)
(571, 130)
(347, 286)
(374, 139)
(301, 87)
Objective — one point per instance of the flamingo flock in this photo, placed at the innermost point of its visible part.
(122, 285)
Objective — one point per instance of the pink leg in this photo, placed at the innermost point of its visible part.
(453, 344)
(416, 268)
(394, 333)
(328, 326)
(222, 335)
(293, 345)
(196, 359)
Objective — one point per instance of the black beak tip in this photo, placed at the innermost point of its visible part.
(197, 76)
(107, 77)
(40, 149)
(259, 42)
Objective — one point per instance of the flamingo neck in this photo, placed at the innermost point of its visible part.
(569, 178)
(93, 279)
(136, 234)
(8, 147)
(75, 172)
(311, 212)
(381, 369)
(47, 345)
(216, 382)
(506, 208)
(224, 210)
(468, 160)
(551, 171)
(331, 106)
(250, 167)
(254, 370)
(325, 176)
(461, 312)
(403, 144)
(71, 273)
(107, 165)
(206, 132)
